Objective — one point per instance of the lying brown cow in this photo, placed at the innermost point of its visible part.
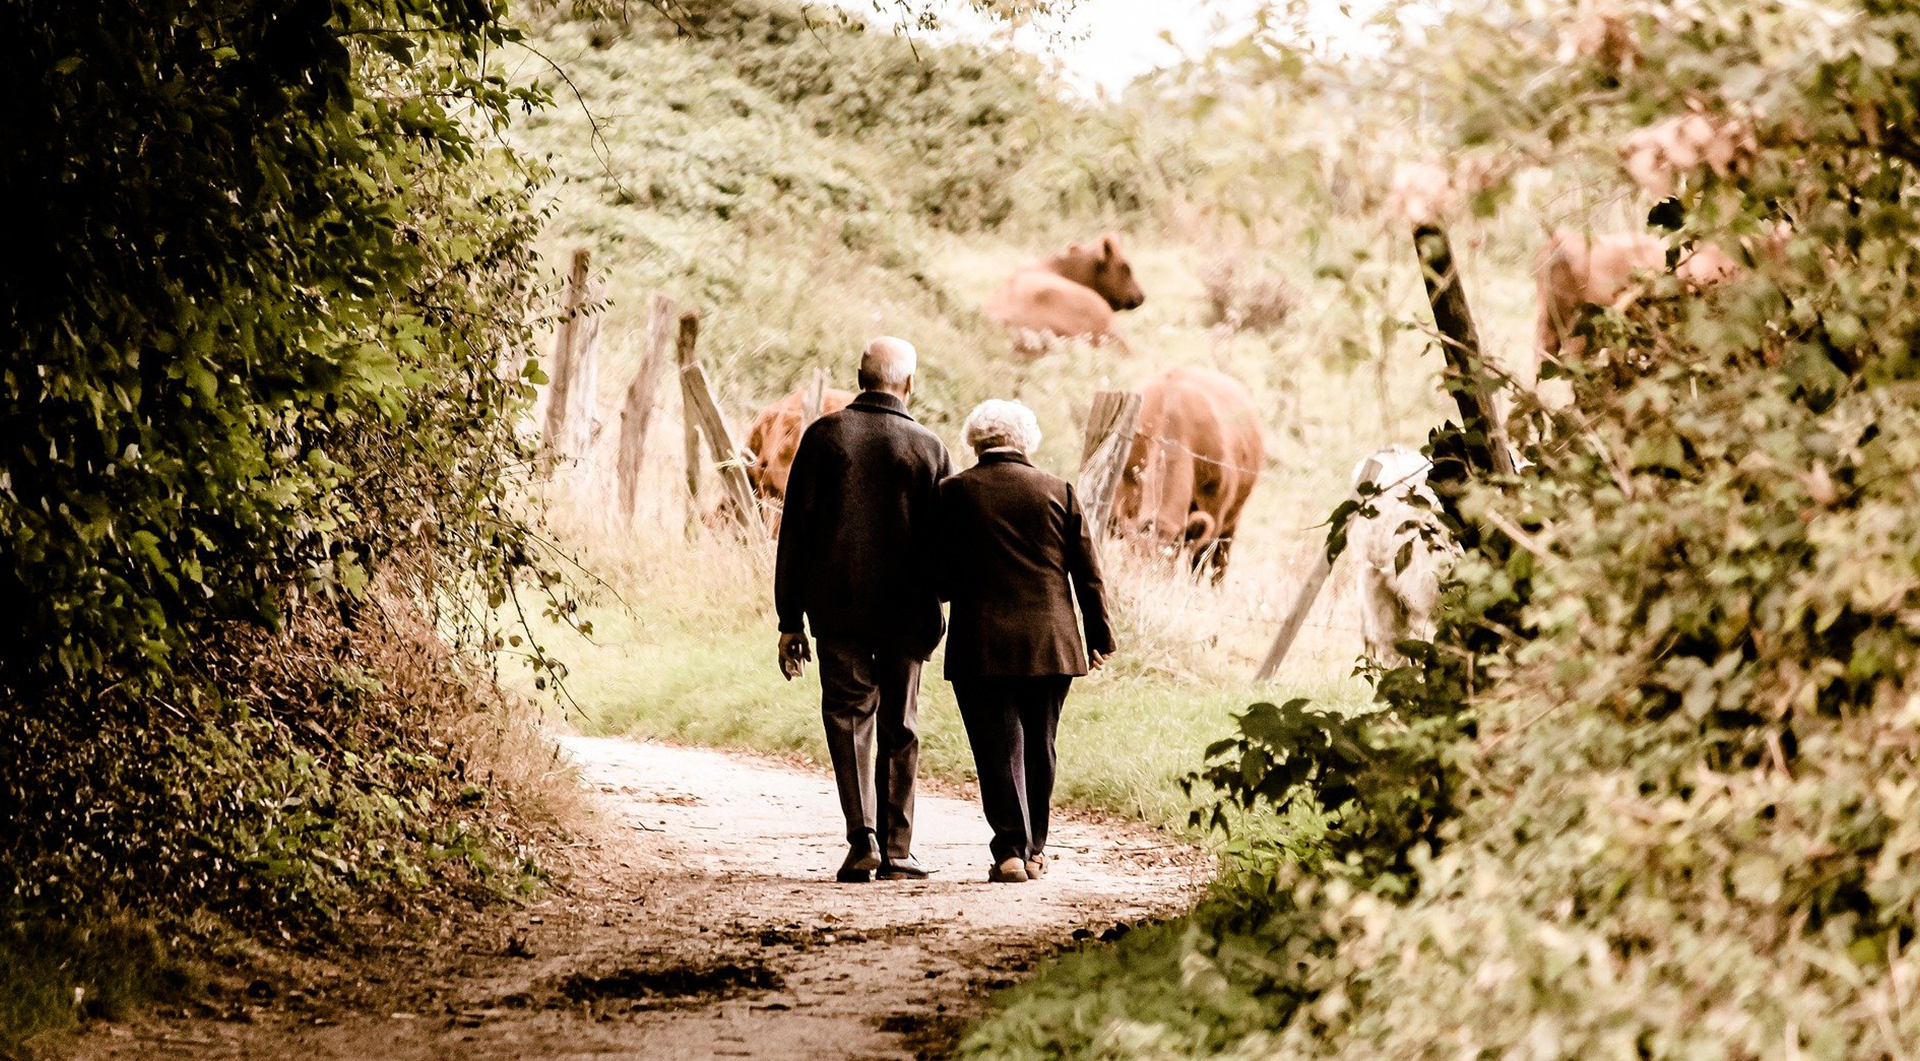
(1576, 272)
(771, 441)
(1196, 455)
(1072, 295)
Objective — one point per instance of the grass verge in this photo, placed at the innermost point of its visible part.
(687, 654)
(53, 972)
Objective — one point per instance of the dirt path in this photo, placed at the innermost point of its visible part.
(700, 920)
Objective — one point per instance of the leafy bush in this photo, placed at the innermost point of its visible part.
(267, 355)
(256, 319)
(1650, 792)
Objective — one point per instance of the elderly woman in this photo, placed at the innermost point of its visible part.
(1016, 555)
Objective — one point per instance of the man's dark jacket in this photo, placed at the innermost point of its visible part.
(1015, 553)
(857, 530)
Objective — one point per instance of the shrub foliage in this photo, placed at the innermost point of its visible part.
(256, 313)
(1650, 793)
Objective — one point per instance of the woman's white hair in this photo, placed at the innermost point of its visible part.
(999, 422)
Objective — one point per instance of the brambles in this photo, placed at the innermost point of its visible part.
(1245, 297)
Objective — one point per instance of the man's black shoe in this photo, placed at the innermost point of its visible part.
(908, 868)
(859, 866)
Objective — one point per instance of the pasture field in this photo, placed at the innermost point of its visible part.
(684, 630)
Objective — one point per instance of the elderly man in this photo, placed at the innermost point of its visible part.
(855, 562)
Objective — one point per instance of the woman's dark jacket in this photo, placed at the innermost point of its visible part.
(1015, 554)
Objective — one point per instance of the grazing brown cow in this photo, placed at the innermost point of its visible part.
(1072, 295)
(1196, 454)
(1576, 271)
(771, 441)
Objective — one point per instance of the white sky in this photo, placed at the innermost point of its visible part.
(1107, 43)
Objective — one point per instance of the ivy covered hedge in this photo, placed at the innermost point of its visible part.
(266, 265)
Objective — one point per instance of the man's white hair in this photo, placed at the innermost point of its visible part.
(999, 422)
(887, 362)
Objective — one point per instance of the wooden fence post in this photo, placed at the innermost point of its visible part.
(637, 411)
(1485, 449)
(683, 356)
(704, 418)
(1309, 592)
(815, 400)
(562, 382)
(582, 435)
(1103, 455)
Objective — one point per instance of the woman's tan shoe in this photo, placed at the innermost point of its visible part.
(1036, 867)
(1009, 871)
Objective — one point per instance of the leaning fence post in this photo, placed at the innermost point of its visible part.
(1103, 456)
(1460, 345)
(637, 411)
(583, 426)
(1309, 592)
(704, 418)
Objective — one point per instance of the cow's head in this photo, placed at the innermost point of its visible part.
(767, 456)
(1101, 266)
(759, 476)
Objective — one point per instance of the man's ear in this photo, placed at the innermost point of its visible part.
(909, 383)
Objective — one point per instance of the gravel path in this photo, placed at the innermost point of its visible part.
(699, 920)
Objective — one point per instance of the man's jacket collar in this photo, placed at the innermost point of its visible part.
(1004, 456)
(882, 402)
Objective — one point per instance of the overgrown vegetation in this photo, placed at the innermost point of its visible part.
(1649, 793)
(256, 437)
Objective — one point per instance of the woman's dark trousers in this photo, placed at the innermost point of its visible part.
(1010, 724)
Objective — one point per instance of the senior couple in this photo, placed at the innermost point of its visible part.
(877, 531)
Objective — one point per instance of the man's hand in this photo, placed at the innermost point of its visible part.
(1097, 660)
(794, 654)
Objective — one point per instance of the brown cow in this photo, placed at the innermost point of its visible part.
(1072, 295)
(1196, 455)
(1576, 271)
(771, 441)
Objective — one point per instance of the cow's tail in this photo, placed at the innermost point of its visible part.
(1201, 527)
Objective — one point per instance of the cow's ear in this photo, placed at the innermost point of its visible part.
(1109, 247)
